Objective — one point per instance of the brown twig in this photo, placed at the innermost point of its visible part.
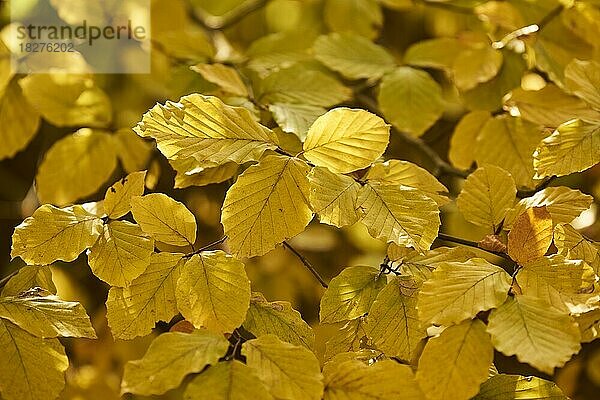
(208, 246)
(469, 243)
(306, 263)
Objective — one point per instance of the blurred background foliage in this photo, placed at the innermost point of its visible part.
(262, 35)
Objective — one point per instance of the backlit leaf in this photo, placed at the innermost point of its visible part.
(223, 76)
(117, 200)
(29, 277)
(288, 371)
(411, 100)
(589, 325)
(345, 140)
(75, 167)
(419, 266)
(333, 197)
(31, 368)
(231, 380)
(295, 118)
(434, 53)
(134, 310)
(486, 196)
(52, 234)
(19, 121)
(573, 147)
(509, 143)
(280, 319)
(405, 216)
(165, 219)
(121, 254)
(47, 316)
(574, 246)
(537, 334)
(583, 80)
(393, 323)
(213, 291)
(170, 357)
(387, 379)
(399, 172)
(531, 235)
(353, 56)
(563, 203)
(462, 153)
(454, 364)
(266, 205)
(515, 387)
(350, 337)
(189, 174)
(459, 290)
(205, 128)
(350, 294)
(474, 66)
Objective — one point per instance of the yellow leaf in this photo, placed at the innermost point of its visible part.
(582, 78)
(437, 53)
(411, 100)
(267, 205)
(353, 56)
(288, 371)
(574, 246)
(350, 294)
(29, 277)
(420, 266)
(563, 203)
(488, 193)
(531, 235)
(474, 66)
(462, 153)
(362, 17)
(537, 334)
(333, 197)
(230, 380)
(589, 325)
(171, 357)
(223, 76)
(573, 147)
(121, 254)
(117, 200)
(31, 368)
(280, 319)
(505, 387)
(19, 121)
(189, 174)
(392, 323)
(509, 143)
(405, 216)
(299, 85)
(133, 311)
(550, 106)
(562, 283)
(398, 172)
(345, 140)
(454, 364)
(68, 99)
(76, 167)
(350, 337)
(187, 42)
(165, 219)
(132, 150)
(213, 291)
(205, 128)
(47, 316)
(459, 290)
(295, 118)
(52, 234)
(387, 379)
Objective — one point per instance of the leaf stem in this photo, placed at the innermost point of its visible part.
(208, 246)
(306, 263)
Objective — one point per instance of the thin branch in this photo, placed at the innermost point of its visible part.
(306, 263)
(208, 246)
(529, 29)
(469, 243)
(215, 23)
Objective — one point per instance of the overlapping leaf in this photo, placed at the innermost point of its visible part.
(29, 277)
(333, 197)
(117, 200)
(504, 387)
(531, 235)
(267, 205)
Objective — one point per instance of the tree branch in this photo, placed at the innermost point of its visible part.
(208, 246)
(469, 243)
(306, 263)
